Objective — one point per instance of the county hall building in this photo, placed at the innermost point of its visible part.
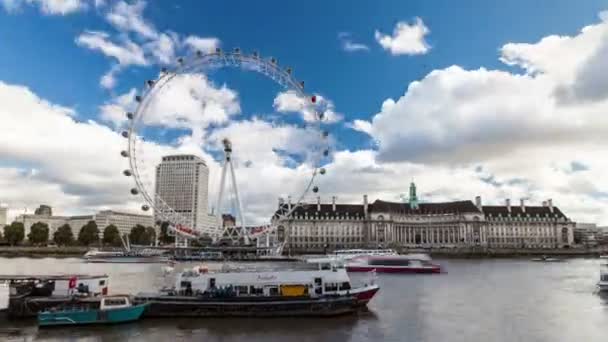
(319, 227)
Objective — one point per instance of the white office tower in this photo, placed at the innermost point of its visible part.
(182, 182)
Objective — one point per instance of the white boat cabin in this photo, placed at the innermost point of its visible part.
(114, 302)
(353, 253)
(328, 279)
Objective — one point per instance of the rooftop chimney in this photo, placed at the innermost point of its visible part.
(544, 203)
(318, 203)
(508, 204)
(281, 202)
(365, 205)
(478, 202)
(333, 203)
(523, 205)
(550, 204)
(288, 202)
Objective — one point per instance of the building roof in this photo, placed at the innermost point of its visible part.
(327, 209)
(424, 208)
(502, 210)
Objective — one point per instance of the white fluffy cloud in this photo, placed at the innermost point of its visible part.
(126, 52)
(49, 7)
(148, 46)
(407, 39)
(202, 44)
(289, 102)
(518, 134)
(129, 18)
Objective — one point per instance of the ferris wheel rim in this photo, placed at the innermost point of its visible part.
(200, 63)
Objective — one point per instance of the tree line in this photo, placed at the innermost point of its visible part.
(89, 234)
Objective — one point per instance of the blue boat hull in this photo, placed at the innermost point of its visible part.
(81, 317)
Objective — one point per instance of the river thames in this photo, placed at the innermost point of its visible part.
(476, 300)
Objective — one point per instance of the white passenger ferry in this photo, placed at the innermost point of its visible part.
(328, 279)
(325, 290)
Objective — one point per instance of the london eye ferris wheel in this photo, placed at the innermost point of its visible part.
(141, 166)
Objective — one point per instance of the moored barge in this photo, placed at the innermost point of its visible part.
(30, 294)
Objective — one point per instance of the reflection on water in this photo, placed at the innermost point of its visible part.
(477, 300)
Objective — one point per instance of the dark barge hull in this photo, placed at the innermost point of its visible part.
(190, 306)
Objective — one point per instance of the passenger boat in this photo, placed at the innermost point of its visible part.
(28, 294)
(348, 254)
(126, 257)
(325, 291)
(545, 258)
(108, 310)
(412, 263)
(603, 283)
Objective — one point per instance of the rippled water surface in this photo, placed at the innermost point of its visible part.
(477, 300)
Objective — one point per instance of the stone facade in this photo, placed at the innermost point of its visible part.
(321, 227)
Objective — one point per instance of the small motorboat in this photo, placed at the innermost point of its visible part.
(603, 256)
(412, 263)
(110, 310)
(545, 258)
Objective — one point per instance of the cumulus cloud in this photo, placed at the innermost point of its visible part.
(129, 18)
(138, 42)
(114, 111)
(407, 39)
(202, 44)
(125, 52)
(349, 45)
(48, 7)
(290, 102)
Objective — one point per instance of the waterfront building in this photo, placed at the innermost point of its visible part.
(526, 226)
(44, 210)
(319, 227)
(3, 216)
(182, 184)
(587, 234)
(122, 220)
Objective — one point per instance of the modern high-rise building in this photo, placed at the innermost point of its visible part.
(182, 184)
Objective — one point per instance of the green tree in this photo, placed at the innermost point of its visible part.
(89, 234)
(14, 233)
(64, 236)
(139, 236)
(164, 236)
(151, 234)
(39, 234)
(111, 236)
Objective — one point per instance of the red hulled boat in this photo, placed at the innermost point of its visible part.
(393, 264)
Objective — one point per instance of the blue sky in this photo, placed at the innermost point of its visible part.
(40, 51)
(477, 53)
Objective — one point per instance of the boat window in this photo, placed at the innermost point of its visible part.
(345, 286)
(102, 282)
(241, 290)
(211, 282)
(255, 290)
(273, 291)
(325, 266)
(114, 302)
(318, 281)
(390, 262)
(331, 287)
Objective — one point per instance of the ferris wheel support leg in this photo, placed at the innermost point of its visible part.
(238, 203)
(218, 207)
